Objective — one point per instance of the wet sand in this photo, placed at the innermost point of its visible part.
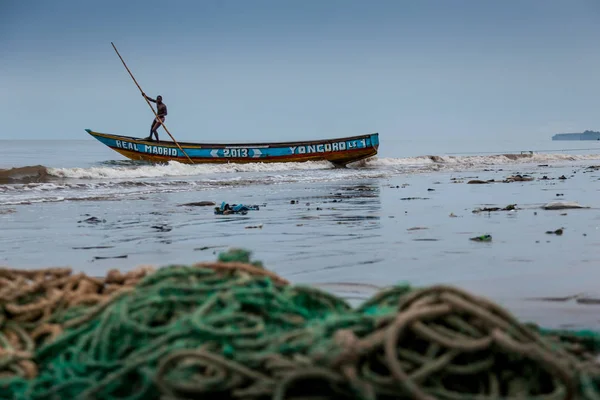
(365, 233)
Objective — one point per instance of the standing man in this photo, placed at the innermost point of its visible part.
(161, 110)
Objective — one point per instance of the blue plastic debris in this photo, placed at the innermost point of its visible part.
(227, 208)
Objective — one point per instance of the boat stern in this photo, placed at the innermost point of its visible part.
(375, 141)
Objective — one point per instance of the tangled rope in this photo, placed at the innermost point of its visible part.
(36, 305)
(231, 330)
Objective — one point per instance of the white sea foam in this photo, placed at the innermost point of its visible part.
(113, 182)
(174, 168)
(478, 160)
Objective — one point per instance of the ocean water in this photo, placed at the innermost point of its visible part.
(403, 216)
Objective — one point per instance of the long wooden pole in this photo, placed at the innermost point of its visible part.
(150, 105)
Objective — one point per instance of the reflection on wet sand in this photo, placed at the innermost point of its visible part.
(345, 213)
(355, 203)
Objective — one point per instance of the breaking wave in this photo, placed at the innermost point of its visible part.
(40, 173)
(480, 160)
(174, 168)
(32, 184)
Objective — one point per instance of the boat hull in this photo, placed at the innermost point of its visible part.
(340, 151)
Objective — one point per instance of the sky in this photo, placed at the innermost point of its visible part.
(267, 70)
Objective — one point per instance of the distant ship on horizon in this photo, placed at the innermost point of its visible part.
(586, 135)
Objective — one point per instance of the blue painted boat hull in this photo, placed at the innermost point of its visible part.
(340, 152)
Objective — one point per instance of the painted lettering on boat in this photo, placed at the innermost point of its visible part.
(161, 151)
(127, 145)
(235, 152)
(328, 147)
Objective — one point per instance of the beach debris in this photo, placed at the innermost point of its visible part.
(259, 226)
(562, 177)
(293, 202)
(518, 178)
(588, 300)
(91, 220)
(562, 205)
(482, 238)
(452, 215)
(226, 209)
(109, 257)
(581, 298)
(559, 194)
(431, 190)
(239, 255)
(198, 204)
(558, 232)
(4, 211)
(360, 188)
(510, 207)
(557, 299)
(512, 178)
(336, 195)
(415, 198)
(417, 228)
(208, 248)
(162, 228)
(92, 247)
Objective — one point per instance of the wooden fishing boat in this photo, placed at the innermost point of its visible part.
(340, 151)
